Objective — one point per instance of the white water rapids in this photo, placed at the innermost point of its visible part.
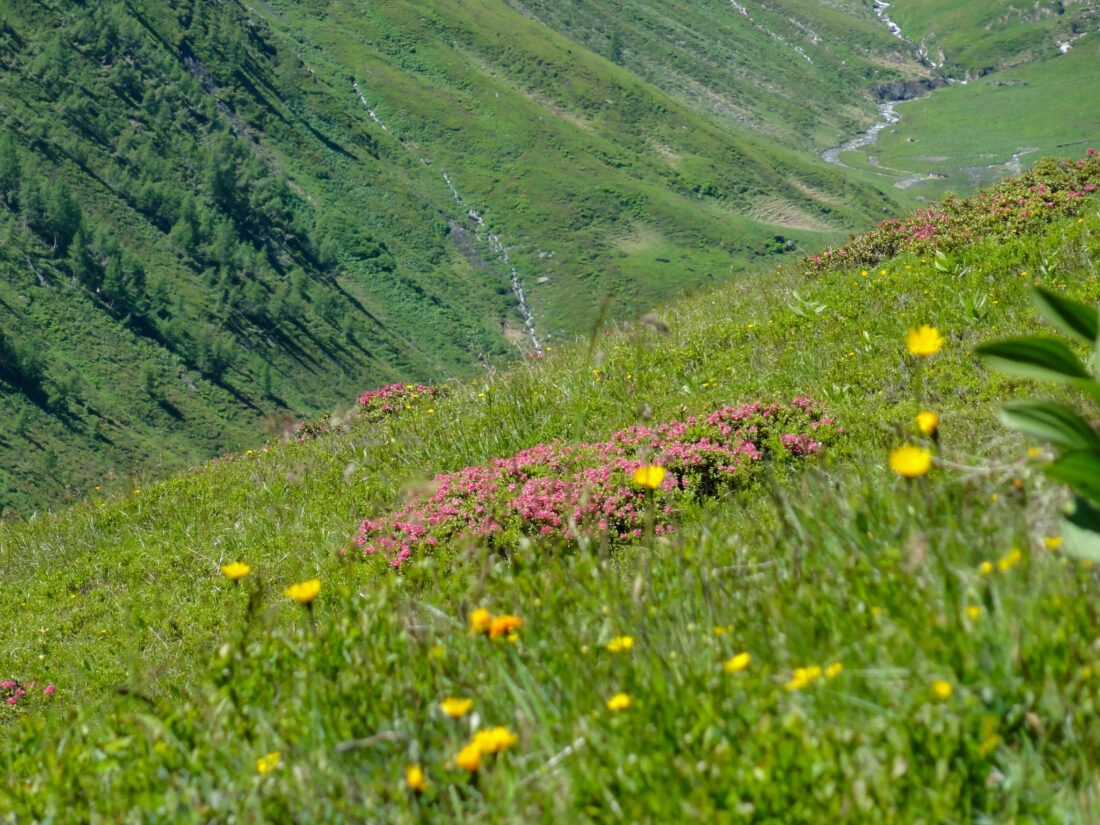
(494, 241)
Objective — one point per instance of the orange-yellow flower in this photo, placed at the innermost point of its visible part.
(493, 740)
(414, 777)
(469, 758)
(941, 689)
(649, 476)
(924, 340)
(304, 592)
(911, 461)
(927, 422)
(1009, 560)
(504, 624)
(456, 708)
(620, 701)
(480, 620)
(237, 570)
(620, 643)
(737, 663)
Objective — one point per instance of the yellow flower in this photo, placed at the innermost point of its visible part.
(502, 625)
(1034, 452)
(649, 476)
(803, 676)
(456, 708)
(480, 620)
(493, 740)
(469, 758)
(927, 423)
(720, 630)
(941, 689)
(620, 701)
(737, 663)
(304, 592)
(835, 669)
(1052, 542)
(1009, 560)
(268, 763)
(923, 340)
(973, 611)
(620, 643)
(414, 777)
(911, 461)
(237, 570)
(985, 568)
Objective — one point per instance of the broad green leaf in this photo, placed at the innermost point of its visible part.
(1081, 531)
(1039, 357)
(1080, 470)
(1050, 422)
(1078, 320)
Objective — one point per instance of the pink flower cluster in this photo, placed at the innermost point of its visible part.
(371, 406)
(12, 691)
(393, 397)
(564, 492)
(1052, 190)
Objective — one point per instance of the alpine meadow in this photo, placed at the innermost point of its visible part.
(518, 411)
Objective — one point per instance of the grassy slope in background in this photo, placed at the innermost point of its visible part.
(291, 250)
(966, 687)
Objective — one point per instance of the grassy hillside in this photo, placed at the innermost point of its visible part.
(972, 38)
(963, 137)
(215, 215)
(806, 635)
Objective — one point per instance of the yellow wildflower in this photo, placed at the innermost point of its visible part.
(620, 701)
(649, 476)
(1052, 542)
(927, 423)
(1009, 560)
(973, 611)
(304, 592)
(835, 669)
(237, 570)
(942, 689)
(504, 625)
(911, 461)
(469, 758)
(456, 708)
(493, 740)
(923, 340)
(414, 777)
(620, 643)
(480, 620)
(737, 663)
(985, 568)
(268, 763)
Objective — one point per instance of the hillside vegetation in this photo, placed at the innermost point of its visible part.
(778, 629)
(219, 214)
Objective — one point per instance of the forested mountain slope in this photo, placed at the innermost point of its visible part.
(213, 214)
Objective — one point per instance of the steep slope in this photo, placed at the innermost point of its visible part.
(817, 637)
(214, 214)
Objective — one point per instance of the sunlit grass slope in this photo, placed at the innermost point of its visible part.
(917, 651)
(219, 214)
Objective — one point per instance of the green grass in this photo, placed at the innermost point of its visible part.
(967, 134)
(165, 714)
(276, 223)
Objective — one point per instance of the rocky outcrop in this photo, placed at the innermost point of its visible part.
(907, 89)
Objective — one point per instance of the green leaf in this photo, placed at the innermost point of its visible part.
(1077, 320)
(1050, 422)
(1080, 470)
(1081, 531)
(1039, 357)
